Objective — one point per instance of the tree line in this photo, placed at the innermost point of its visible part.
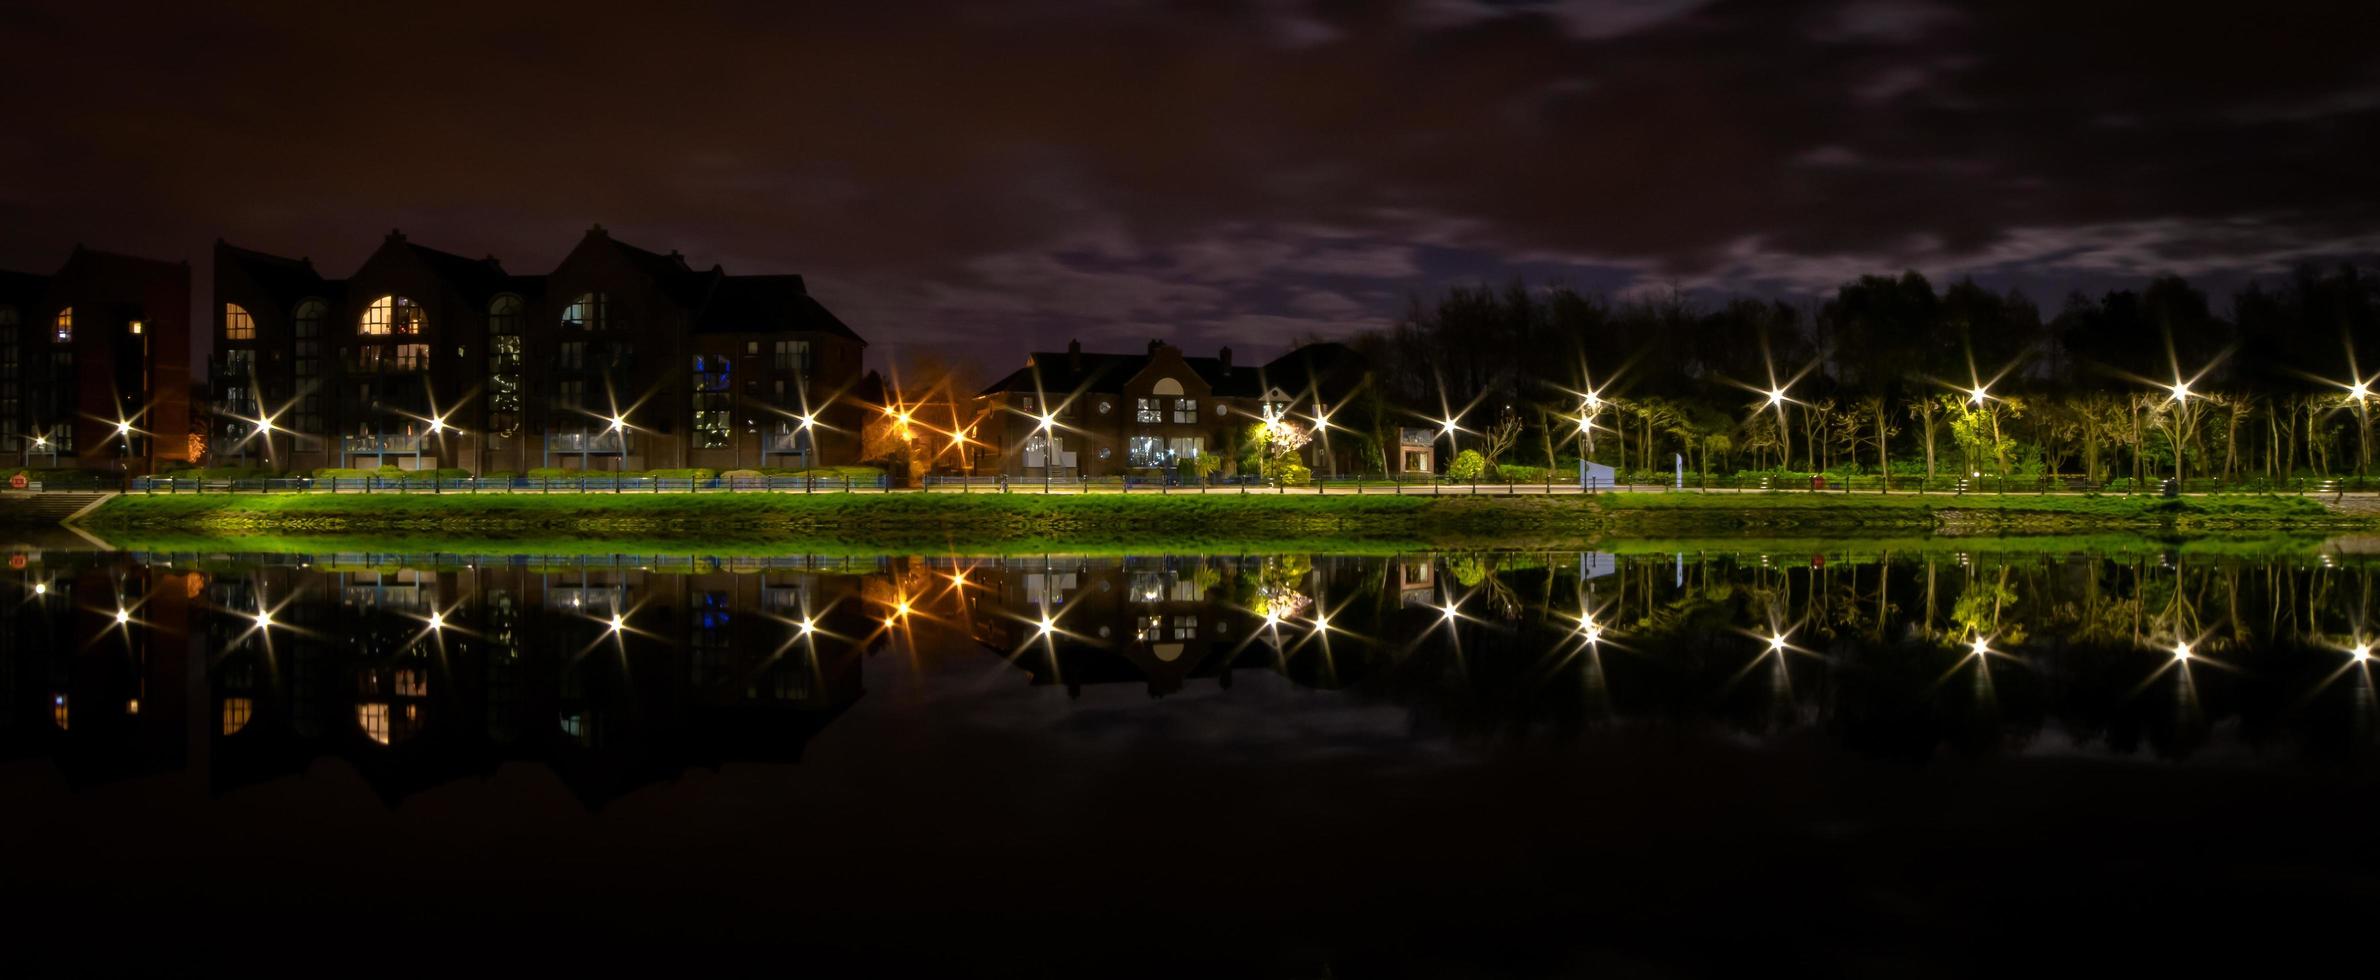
(1891, 375)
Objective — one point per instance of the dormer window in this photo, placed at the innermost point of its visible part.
(237, 324)
(64, 332)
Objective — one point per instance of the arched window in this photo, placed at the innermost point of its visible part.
(393, 316)
(504, 315)
(65, 328)
(590, 311)
(237, 324)
(504, 364)
(309, 317)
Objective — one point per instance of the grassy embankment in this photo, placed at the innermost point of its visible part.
(830, 523)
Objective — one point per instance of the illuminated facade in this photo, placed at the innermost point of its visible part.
(1071, 413)
(424, 359)
(94, 365)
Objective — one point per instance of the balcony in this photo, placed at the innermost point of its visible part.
(589, 442)
(382, 444)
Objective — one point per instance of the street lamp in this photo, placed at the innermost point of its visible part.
(2361, 394)
(1049, 450)
(619, 429)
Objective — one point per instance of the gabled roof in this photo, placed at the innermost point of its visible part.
(478, 279)
(681, 283)
(1330, 369)
(286, 280)
(766, 304)
(21, 287)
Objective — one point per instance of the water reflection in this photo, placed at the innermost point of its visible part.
(621, 671)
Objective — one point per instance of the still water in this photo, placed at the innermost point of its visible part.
(1809, 758)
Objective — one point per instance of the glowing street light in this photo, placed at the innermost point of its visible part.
(123, 616)
(1977, 395)
(1980, 647)
(2181, 651)
(1776, 397)
(1047, 626)
(1049, 449)
(264, 619)
(2181, 391)
(437, 621)
(2361, 654)
(437, 424)
(618, 623)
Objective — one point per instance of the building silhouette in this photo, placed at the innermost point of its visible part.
(95, 365)
(424, 359)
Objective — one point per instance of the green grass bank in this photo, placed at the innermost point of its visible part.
(1187, 521)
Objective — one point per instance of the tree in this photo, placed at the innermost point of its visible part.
(1276, 442)
(1499, 439)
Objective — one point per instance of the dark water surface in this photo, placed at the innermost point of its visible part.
(1427, 765)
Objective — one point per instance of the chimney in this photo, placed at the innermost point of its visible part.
(1074, 357)
(1225, 353)
(1154, 343)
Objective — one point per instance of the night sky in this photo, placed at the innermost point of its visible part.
(1006, 176)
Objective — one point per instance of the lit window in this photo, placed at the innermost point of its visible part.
(237, 324)
(793, 355)
(590, 311)
(393, 315)
(372, 716)
(1185, 409)
(713, 384)
(410, 357)
(1143, 451)
(64, 333)
(236, 712)
(1146, 410)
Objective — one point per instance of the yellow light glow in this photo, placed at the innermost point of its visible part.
(619, 422)
(1048, 625)
(2181, 651)
(437, 621)
(618, 622)
(1777, 643)
(2359, 391)
(123, 616)
(1449, 611)
(1980, 646)
(1776, 397)
(1048, 421)
(123, 427)
(1977, 396)
(437, 424)
(808, 421)
(2181, 391)
(807, 626)
(264, 619)
(1321, 622)
(2361, 653)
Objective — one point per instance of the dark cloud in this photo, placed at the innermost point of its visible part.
(1013, 174)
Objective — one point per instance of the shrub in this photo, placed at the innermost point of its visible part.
(696, 473)
(550, 473)
(1294, 474)
(1467, 466)
(740, 475)
(1513, 473)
